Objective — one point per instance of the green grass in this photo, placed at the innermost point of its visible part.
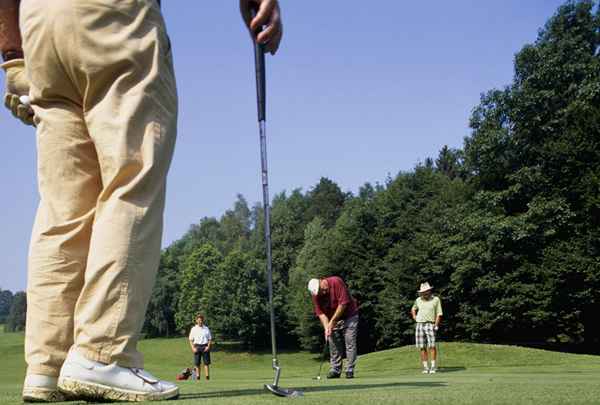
(471, 374)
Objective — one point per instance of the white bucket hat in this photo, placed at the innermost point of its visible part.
(425, 287)
(313, 286)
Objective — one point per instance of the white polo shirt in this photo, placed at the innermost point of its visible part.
(200, 335)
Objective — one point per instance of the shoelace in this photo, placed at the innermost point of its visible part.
(144, 376)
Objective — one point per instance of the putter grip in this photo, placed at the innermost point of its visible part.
(259, 62)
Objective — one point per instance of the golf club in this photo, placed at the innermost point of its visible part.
(259, 59)
(318, 377)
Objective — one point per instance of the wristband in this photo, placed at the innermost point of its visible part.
(10, 55)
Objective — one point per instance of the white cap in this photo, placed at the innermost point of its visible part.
(313, 286)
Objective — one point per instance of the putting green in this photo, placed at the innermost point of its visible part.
(470, 374)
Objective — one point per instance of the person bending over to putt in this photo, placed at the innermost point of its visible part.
(101, 91)
(201, 342)
(338, 313)
(427, 312)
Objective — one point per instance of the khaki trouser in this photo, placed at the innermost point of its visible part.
(104, 95)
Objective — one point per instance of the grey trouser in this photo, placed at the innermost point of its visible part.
(344, 334)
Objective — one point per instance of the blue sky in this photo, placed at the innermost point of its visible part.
(355, 93)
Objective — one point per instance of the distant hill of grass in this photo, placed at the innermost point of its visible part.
(470, 374)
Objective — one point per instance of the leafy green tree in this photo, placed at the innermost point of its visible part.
(310, 263)
(198, 267)
(6, 298)
(450, 162)
(288, 220)
(15, 321)
(354, 250)
(160, 316)
(326, 200)
(415, 207)
(535, 159)
(235, 226)
(235, 297)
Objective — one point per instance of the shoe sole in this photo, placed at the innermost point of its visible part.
(42, 395)
(94, 391)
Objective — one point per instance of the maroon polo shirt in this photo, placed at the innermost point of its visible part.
(337, 295)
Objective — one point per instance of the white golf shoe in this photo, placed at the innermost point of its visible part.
(86, 379)
(425, 371)
(41, 388)
(432, 370)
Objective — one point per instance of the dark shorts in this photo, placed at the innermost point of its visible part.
(201, 356)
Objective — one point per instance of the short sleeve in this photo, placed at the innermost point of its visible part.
(318, 309)
(208, 334)
(341, 291)
(191, 337)
(415, 305)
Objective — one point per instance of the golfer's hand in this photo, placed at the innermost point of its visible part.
(17, 85)
(435, 328)
(205, 349)
(269, 16)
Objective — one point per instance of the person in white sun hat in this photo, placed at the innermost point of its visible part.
(427, 313)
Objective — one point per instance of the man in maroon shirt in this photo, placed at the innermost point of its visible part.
(338, 313)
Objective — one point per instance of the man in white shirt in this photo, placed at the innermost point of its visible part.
(200, 342)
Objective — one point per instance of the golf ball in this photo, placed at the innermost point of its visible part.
(318, 377)
(25, 100)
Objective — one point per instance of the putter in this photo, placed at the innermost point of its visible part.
(259, 59)
(318, 377)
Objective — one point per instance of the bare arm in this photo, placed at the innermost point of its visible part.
(439, 313)
(10, 36)
(192, 345)
(337, 315)
(324, 320)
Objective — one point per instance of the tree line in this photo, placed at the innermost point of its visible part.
(507, 228)
(13, 308)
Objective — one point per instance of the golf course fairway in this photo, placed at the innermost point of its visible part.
(470, 374)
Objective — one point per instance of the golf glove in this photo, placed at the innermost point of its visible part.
(17, 85)
(435, 328)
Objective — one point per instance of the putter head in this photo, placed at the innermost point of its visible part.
(282, 392)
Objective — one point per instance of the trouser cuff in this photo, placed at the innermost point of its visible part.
(106, 358)
(41, 369)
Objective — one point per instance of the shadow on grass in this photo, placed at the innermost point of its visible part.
(450, 369)
(239, 393)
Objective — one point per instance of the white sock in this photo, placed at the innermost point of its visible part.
(433, 364)
(425, 366)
